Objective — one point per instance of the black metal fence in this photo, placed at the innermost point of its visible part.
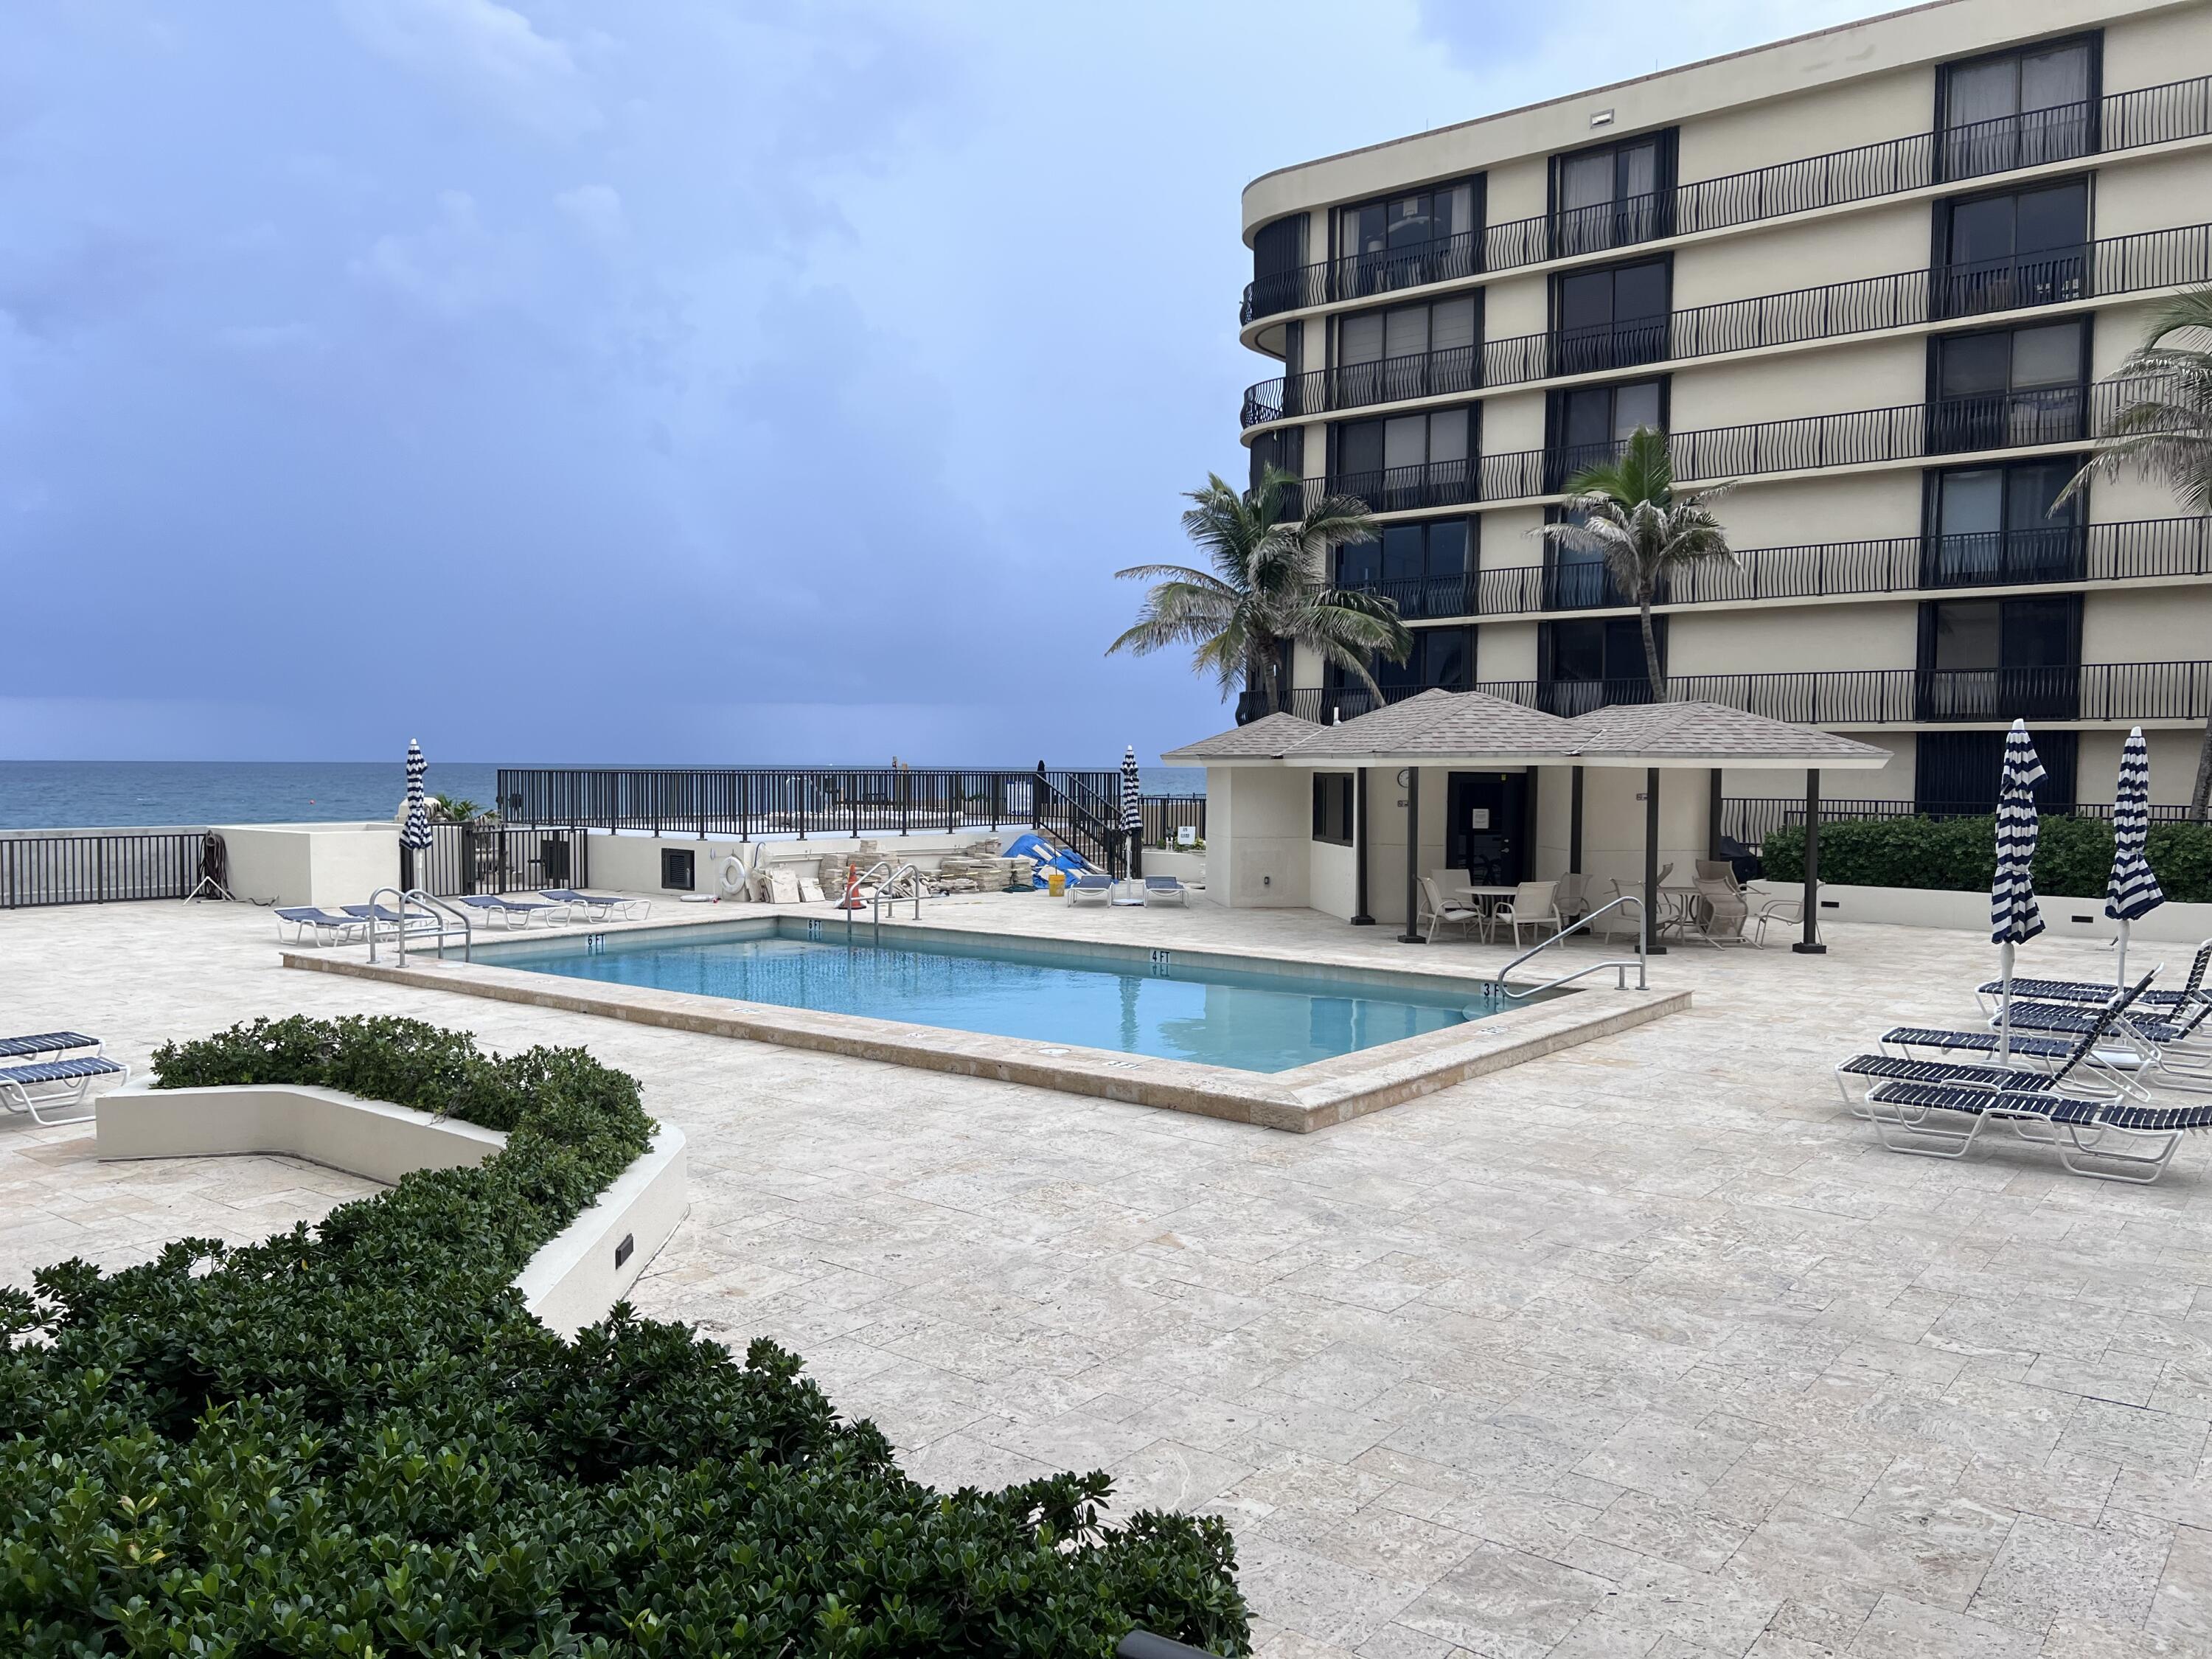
(493, 858)
(96, 866)
(749, 801)
(1748, 820)
(2117, 265)
(2118, 121)
(1166, 814)
(2097, 692)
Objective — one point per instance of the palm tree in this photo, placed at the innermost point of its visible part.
(1264, 588)
(1626, 510)
(2164, 432)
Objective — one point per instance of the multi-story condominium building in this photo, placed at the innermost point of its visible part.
(1880, 277)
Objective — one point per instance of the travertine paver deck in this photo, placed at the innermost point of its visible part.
(1640, 1349)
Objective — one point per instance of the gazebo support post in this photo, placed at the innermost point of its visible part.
(1713, 817)
(1412, 933)
(1360, 916)
(1810, 945)
(1575, 822)
(1651, 863)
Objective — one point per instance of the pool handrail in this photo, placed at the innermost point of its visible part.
(876, 900)
(431, 904)
(1620, 965)
(882, 866)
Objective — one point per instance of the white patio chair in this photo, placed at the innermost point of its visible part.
(1531, 906)
(1437, 911)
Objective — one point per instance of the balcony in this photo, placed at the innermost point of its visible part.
(1954, 426)
(2108, 693)
(2117, 265)
(2119, 121)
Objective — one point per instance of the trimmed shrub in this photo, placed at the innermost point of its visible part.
(353, 1441)
(2073, 856)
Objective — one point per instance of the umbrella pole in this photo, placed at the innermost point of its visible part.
(2004, 1004)
(2120, 956)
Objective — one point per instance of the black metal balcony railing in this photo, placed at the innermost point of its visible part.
(2117, 265)
(1953, 426)
(2107, 692)
(2118, 121)
(2134, 550)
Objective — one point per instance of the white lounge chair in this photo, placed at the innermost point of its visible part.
(514, 912)
(1090, 890)
(309, 920)
(1437, 911)
(37, 1090)
(600, 907)
(1165, 889)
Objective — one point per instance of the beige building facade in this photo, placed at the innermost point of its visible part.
(1879, 279)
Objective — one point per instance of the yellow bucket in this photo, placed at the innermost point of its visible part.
(1055, 881)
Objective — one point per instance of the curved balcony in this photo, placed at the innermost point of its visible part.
(1954, 426)
(2136, 550)
(2095, 693)
(2116, 265)
(2119, 121)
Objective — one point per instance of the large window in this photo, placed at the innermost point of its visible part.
(1423, 236)
(2000, 659)
(1441, 658)
(1284, 447)
(1991, 526)
(1409, 352)
(1610, 318)
(2016, 247)
(1332, 808)
(2021, 108)
(1613, 195)
(2010, 387)
(1402, 461)
(1588, 423)
(1588, 663)
(1958, 771)
(1424, 567)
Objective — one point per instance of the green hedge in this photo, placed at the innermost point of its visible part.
(353, 1441)
(2073, 856)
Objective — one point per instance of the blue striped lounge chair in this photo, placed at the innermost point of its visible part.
(2169, 1046)
(309, 920)
(2091, 993)
(39, 1090)
(2105, 1139)
(514, 912)
(2053, 1060)
(46, 1045)
(600, 907)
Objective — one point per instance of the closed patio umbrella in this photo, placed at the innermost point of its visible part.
(1133, 811)
(415, 831)
(2014, 919)
(2133, 891)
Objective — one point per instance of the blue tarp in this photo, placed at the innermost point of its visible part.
(1036, 847)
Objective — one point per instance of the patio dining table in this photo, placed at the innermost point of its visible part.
(1486, 900)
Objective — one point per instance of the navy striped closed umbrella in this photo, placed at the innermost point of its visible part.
(1133, 810)
(2133, 892)
(415, 831)
(2014, 919)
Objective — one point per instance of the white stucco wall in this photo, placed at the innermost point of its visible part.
(1259, 831)
(324, 864)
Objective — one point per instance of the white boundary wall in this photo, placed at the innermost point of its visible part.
(573, 1279)
(2064, 918)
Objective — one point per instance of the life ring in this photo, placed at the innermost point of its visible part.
(734, 881)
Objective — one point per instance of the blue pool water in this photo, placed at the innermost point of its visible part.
(1182, 1010)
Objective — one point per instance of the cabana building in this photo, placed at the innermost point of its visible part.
(1341, 818)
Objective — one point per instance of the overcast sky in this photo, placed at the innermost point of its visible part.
(659, 380)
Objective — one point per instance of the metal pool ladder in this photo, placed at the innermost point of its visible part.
(437, 910)
(890, 874)
(1619, 964)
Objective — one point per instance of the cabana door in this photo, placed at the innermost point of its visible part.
(1485, 826)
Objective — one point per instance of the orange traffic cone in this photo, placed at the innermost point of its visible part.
(852, 899)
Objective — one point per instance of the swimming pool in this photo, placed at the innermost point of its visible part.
(1163, 1004)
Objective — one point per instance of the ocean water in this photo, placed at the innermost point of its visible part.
(85, 794)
